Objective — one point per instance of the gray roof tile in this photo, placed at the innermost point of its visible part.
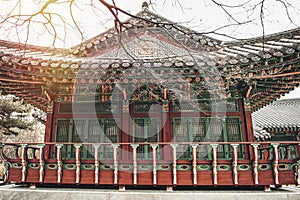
(280, 114)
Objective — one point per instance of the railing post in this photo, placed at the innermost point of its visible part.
(134, 147)
(235, 164)
(77, 157)
(41, 161)
(116, 167)
(3, 166)
(275, 163)
(23, 161)
(214, 163)
(154, 146)
(194, 154)
(96, 147)
(59, 162)
(255, 163)
(297, 170)
(174, 146)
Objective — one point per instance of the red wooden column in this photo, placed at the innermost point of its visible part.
(49, 127)
(249, 126)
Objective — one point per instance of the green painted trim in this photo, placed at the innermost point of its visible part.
(203, 167)
(263, 167)
(33, 165)
(164, 167)
(284, 167)
(126, 167)
(69, 166)
(184, 167)
(106, 167)
(244, 167)
(48, 166)
(87, 167)
(224, 167)
(144, 167)
(16, 165)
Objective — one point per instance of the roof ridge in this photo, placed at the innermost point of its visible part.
(153, 20)
(261, 38)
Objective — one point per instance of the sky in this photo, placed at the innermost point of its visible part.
(199, 15)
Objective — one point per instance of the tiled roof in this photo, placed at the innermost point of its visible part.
(260, 134)
(260, 68)
(282, 114)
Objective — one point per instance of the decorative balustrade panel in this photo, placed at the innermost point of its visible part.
(269, 163)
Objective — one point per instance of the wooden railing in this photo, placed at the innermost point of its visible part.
(279, 155)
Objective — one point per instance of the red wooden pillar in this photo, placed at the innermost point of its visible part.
(49, 128)
(249, 126)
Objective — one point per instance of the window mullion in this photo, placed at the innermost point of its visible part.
(225, 139)
(101, 122)
(190, 134)
(146, 127)
(85, 136)
(70, 135)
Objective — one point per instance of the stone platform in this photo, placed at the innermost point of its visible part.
(21, 192)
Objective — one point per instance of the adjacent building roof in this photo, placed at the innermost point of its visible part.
(279, 116)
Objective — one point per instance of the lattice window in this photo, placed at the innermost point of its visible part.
(145, 130)
(110, 130)
(198, 131)
(94, 135)
(62, 135)
(87, 130)
(78, 135)
(216, 134)
(181, 132)
(233, 131)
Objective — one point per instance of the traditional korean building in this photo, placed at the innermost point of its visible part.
(152, 103)
(281, 122)
(281, 119)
